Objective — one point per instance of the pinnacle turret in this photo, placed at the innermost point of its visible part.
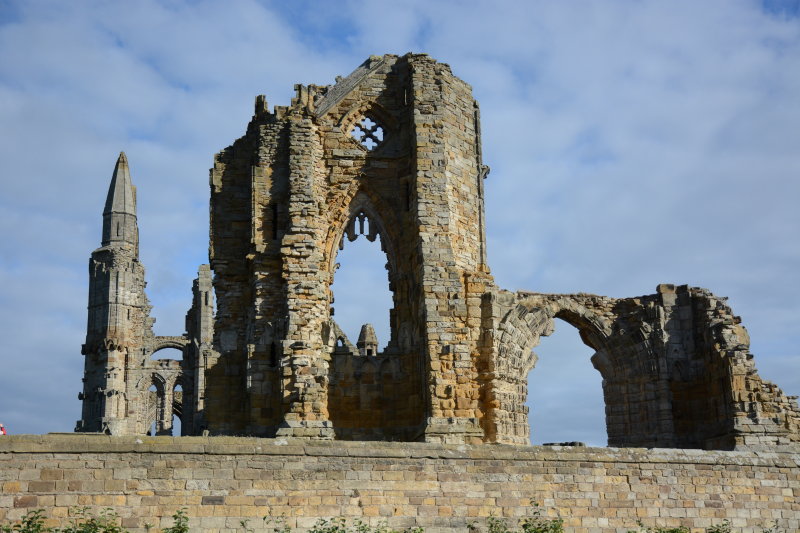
(367, 340)
(119, 215)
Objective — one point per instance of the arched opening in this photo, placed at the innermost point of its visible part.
(360, 288)
(373, 361)
(160, 400)
(565, 392)
(177, 410)
(152, 409)
(167, 352)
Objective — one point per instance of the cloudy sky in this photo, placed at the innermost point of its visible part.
(632, 142)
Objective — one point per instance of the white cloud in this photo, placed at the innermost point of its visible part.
(631, 143)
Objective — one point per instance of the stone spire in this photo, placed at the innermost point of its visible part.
(367, 340)
(118, 314)
(119, 215)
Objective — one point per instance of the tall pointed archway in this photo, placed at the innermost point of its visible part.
(369, 375)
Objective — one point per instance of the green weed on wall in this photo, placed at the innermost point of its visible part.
(107, 521)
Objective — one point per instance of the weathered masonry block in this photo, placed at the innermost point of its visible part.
(221, 481)
(392, 152)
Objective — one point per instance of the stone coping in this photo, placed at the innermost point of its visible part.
(95, 443)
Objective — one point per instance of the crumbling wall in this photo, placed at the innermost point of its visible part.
(392, 152)
(676, 369)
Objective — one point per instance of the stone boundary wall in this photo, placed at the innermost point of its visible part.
(224, 480)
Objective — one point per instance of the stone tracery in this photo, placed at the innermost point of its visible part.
(368, 133)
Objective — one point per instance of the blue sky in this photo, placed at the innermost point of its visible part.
(631, 143)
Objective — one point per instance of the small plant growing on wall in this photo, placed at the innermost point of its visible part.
(108, 522)
(535, 523)
(724, 527)
(32, 522)
(84, 522)
(278, 524)
(180, 523)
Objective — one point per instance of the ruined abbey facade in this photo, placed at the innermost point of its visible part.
(391, 151)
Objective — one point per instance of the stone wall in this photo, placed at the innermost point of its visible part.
(224, 480)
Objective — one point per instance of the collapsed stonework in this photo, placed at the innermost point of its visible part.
(392, 152)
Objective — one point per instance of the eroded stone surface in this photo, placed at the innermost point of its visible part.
(392, 152)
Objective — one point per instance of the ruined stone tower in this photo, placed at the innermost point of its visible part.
(125, 391)
(393, 152)
(118, 308)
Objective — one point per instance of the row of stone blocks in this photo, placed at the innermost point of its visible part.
(221, 481)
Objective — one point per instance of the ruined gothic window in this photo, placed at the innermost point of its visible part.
(361, 285)
(368, 132)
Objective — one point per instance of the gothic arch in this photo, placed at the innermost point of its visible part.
(358, 211)
(178, 403)
(363, 109)
(505, 388)
(156, 379)
(522, 327)
(362, 387)
(355, 201)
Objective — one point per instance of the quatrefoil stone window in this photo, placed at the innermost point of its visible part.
(368, 133)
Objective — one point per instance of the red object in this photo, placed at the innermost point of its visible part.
(2, 430)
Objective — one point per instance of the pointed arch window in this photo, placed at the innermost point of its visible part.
(362, 288)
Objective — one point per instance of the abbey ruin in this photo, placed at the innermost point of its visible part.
(391, 151)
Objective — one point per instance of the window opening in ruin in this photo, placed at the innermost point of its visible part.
(167, 353)
(565, 392)
(361, 287)
(152, 399)
(177, 401)
(368, 132)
